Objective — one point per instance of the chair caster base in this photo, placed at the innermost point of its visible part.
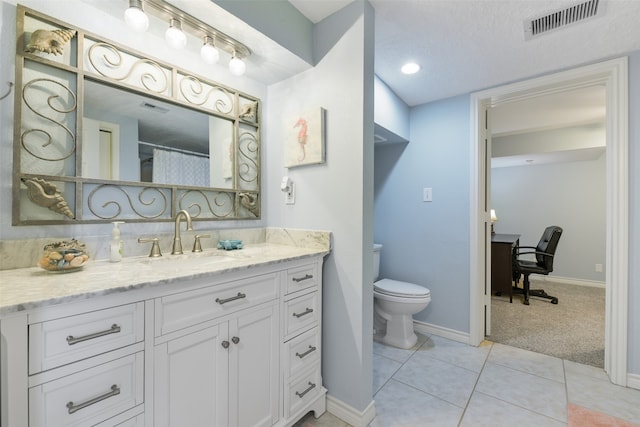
(554, 300)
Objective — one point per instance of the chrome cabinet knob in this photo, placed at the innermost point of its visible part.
(235, 340)
(225, 344)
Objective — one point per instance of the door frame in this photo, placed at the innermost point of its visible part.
(614, 76)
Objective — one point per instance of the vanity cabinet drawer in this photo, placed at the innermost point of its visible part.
(300, 314)
(178, 311)
(302, 352)
(302, 390)
(90, 396)
(303, 277)
(61, 341)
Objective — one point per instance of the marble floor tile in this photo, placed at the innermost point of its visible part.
(398, 354)
(399, 405)
(586, 370)
(441, 379)
(600, 395)
(383, 370)
(487, 411)
(326, 420)
(541, 395)
(456, 353)
(527, 361)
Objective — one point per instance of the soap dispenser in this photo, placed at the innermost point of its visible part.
(115, 246)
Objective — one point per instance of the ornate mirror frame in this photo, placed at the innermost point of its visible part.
(53, 62)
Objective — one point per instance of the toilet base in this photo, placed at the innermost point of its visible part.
(399, 332)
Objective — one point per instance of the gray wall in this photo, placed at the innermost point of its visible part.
(428, 242)
(571, 195)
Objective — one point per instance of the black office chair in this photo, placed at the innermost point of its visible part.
(544, 254)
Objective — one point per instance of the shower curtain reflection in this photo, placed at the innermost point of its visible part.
(171, 167)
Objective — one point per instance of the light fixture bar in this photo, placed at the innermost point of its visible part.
(195, 27)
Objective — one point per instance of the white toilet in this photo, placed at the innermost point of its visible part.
(395, 303)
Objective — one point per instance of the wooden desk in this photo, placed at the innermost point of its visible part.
(502, 247)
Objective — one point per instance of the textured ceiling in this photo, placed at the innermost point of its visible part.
(468, 45)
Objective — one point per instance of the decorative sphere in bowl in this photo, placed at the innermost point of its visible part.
(64, 256)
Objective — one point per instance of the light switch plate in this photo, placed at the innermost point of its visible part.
(427, 194)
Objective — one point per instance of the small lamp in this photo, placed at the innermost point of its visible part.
(494, 218)
(237, 65)
(208, 52)
(174, 35)
(135, 18)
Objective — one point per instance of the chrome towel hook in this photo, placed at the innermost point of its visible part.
(8, 91)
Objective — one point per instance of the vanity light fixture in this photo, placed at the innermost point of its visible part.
(181, 24)
(208, 51)
(135, 17)
(174, 35)
(237, 65)
(410, 68)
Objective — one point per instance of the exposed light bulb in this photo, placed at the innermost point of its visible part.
(209, 52)
(174, 35)
(135, 18)
(237, 65)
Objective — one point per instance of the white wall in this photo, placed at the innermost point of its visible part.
(571, 195)
(337, 195)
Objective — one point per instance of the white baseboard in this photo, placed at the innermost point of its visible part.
(429, 329)
(633, 381)
(349, 414)
(571, 281)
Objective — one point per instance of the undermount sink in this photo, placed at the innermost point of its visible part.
(205, 257)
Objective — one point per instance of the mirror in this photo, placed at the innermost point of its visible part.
(143, 141)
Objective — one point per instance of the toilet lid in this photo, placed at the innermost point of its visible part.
(401, 289)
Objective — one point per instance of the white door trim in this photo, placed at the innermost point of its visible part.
(613, 75)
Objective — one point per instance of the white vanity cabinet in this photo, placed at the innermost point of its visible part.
(236, 348)
(222, 371)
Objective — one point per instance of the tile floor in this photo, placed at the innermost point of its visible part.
(441, 382)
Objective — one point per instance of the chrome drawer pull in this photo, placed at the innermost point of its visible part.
(71, 340)
(311, 387)
(226, 300)
(115, 390)
(311, 349)
(307, 311)
(300, 279)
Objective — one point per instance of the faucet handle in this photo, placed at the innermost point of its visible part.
(155, 248)
(197, 247)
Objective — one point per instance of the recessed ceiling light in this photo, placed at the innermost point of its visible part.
(410, 68)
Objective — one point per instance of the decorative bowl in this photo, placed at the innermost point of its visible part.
(64, 257)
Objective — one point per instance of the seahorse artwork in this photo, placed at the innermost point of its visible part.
(45, 194)
(49, 41)
(302, 137)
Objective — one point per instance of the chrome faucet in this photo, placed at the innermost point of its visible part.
(177, 241)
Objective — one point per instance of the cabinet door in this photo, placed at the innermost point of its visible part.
(253, 365)
(191, 380)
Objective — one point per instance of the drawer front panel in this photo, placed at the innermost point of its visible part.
(302, 352)
(303, 390)
(300, 314)
(90, 396)
(179, 311)
(61, 341)
(302, 278)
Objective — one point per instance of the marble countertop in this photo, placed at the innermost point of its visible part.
(29, 288)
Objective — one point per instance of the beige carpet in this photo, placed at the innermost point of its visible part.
(573, 329)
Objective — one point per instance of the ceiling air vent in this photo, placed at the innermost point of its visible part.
(562, 18)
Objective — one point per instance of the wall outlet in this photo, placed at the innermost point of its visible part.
(290, 196)
(598, 268)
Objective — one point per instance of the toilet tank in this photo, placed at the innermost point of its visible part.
(376, 260)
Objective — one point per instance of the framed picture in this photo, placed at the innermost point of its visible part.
(305, 143)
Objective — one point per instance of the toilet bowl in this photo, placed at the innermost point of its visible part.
(395, 303)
